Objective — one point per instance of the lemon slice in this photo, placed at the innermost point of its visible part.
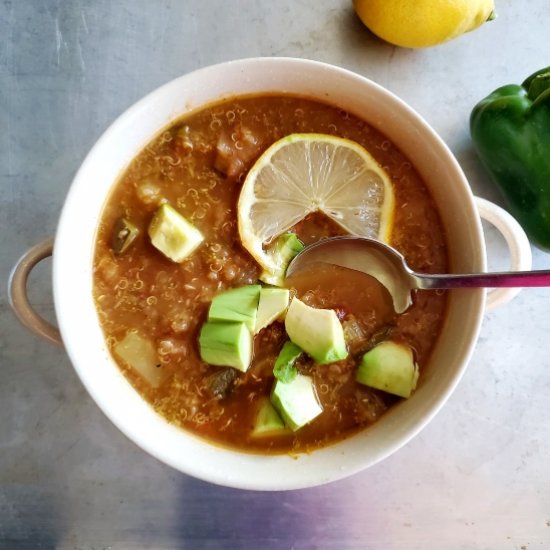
(305, 173)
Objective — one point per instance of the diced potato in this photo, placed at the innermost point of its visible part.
(140, 354)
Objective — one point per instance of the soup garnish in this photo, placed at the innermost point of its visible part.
(305, 173)
(203, 323)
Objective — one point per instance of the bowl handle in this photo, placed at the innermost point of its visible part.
(17, 292)
(520, 250)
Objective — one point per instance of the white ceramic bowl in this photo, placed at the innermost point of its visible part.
(74, 245)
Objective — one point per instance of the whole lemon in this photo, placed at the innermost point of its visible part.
(422, 23)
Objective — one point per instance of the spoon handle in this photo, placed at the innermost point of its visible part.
(507, 279)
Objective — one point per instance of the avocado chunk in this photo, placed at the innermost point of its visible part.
(286, 246)
(172, 234)
(226, 345)
(296, 401)
(284, 369)
(317, 331)
(272, 306)
(238, 305)
(268, 422)
(389, 367)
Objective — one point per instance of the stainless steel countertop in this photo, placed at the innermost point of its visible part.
(477, 477)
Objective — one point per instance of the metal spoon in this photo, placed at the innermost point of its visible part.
(389, 267)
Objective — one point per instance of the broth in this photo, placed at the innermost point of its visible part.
(166, 302)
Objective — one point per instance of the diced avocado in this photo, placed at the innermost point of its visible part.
(296, 401)
(238, 305)
(226, 345)
(273, 305)
(140, 354)
(317, 331)
(286, 246)
(389, 367)
(284, 369)
(172, 234)
(268, 422)
(124, 234)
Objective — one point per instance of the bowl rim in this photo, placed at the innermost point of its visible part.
(68, 289)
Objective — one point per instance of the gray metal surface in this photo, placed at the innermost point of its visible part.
(476, 478)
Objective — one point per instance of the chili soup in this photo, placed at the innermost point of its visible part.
(152, 309)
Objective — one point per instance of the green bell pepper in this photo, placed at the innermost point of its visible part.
(510, 130)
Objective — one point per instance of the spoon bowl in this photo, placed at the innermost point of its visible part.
(390, 269)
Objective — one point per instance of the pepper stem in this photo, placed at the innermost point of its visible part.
(539, 85)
